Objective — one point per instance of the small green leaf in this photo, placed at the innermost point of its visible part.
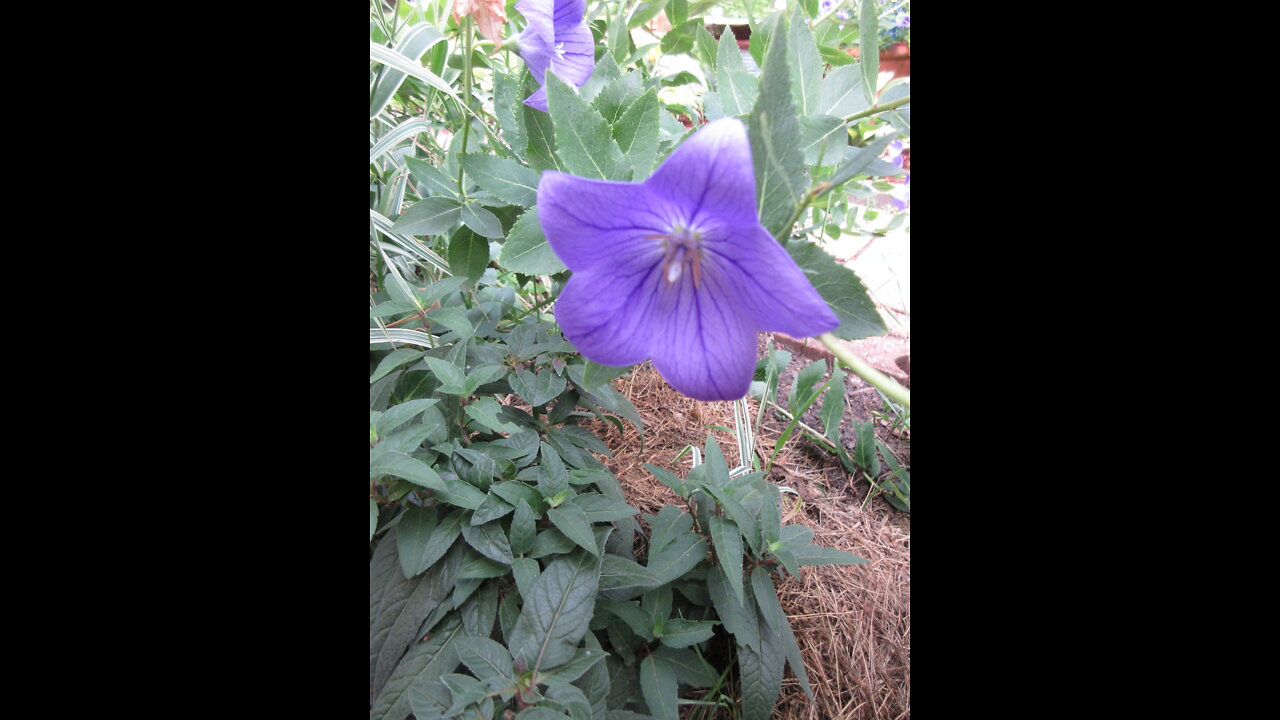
(869, 47)
(468, 253)
(373, 517)
(489, 540)
(584, 142)
(485, 411)
(572, 521)
(523, 529)
(636, 133)
(526, 249)
(486, 659)
(679, 633)
(394, 359)
(428, 217)
(737, 88)
(659, 686)
(728, 545)
(507, 179)
(537, 388)
(483, 223)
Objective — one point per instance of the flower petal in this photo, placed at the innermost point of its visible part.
(609, 314)
(538, 38)
(760, 277)
(568, 12)
(574, 66)
(594, 224)
(538, 100)
(710, 173)
(704, 346)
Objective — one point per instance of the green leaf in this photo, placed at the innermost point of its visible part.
(673, 547)
(397, 415)
(541, 154)
(526, 249)
(775, 143)
(493, 508)
(394, 359)
(869, 47)
(485, 411)
(424, 663)
(508, 107)
(428, 217)
(842, 92)
(452, 380)
(409, 468)
(806, 65)
(760, 673)
(679, 633)
(781, 634)
(669, 479)
(556, 614)
(841, 288)
(600, 508)
(690, 668)
(659, 687)
(861, 161)
(584, 142)
(619, 573)
(373, 517)
(824, 138)
(814, 555)
(413, 533)
(489, 540)
(864, 451)
(468, 253)
(523, 529)
(833, 405)
(728, 544)
(739, 616)
(803, 387)
(737, 88)
(555, 478)
(572, 521)
(486, 659)
(397, 61)
(636, 133)
(507, 179)
(717, 470)
(483, 223)
(537, 388)
(431, 179)
(397, 629)
(583, 661)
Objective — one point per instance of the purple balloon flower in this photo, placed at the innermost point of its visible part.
(555, 39)
(677, 268)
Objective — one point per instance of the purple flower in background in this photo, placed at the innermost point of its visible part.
(556, 39)
(677, 268)
(903, 20)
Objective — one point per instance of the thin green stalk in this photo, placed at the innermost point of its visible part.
(878, 109)
(874, 377)
(466, 97)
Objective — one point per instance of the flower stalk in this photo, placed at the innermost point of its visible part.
(879, 109)
(874, 377)
(466, 97)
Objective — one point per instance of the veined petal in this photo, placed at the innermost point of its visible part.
(710, 173)
(762, 278)
(608, 314)
(567, 12)
(538, 38)
(574, 55)
(592, 224)
(704, 346)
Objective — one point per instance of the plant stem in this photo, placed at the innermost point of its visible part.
(878, 109)
(466, 97)
(875, 378)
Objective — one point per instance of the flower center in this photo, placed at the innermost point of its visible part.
(682, 249)
(559, 50)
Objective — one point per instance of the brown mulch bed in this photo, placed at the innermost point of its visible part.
(852, 622)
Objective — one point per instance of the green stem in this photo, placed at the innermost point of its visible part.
(878, 109)
(466, 97)
(875, 378)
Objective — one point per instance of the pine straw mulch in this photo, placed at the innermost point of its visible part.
(852, 622)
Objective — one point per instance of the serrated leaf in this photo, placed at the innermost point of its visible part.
(584, 143)
(774, 133)
(841, 289)
(739, 616)
(431, 180)
(485, 224)
(397, 630)
(869, 47)
(636, 133)
(660, 689)
(572, 521)
(806, 65)
(556, 614)
(824, 139)
(428, 217)
(736, 87)
(842, 92)
(761, 678)
(526, 249)
(507, 179)
(508, 107)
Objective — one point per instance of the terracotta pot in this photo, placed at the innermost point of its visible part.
(896, 59)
